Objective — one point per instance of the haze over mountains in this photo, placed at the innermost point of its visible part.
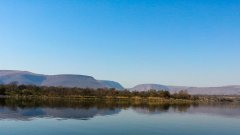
(223, 90)
(82, 81)
(145, 87)
(112, 84)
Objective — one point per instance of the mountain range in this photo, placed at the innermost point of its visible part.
(64, 80)
(83, 81)
(146, 87)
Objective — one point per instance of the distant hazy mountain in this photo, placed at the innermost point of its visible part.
(112, 84)
(146, 87)
(21, 77)
(81, 81)
(72, 81)
(224, 90)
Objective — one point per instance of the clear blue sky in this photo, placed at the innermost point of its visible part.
(174, 42)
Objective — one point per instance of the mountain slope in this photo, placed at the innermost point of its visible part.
(24, 77)
(224, 90)
(72, 81)
(112, 84)
(146, 87)
(21, 77)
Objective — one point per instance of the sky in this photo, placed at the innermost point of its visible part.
(171, 42)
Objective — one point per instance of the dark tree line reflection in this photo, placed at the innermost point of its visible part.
(28, 109)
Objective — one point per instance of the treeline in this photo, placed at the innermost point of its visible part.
(31, 90)
(13, 103)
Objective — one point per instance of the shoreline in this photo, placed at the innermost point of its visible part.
(138, 100)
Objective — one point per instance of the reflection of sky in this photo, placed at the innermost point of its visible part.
(25, 114)
(223, 111)
(127, 122)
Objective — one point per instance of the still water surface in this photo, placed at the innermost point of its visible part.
(20, 117)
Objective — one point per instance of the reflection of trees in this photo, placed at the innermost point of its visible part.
(181, 107)
(25, 108)
(163, 108)
(28, 108)
(80, 103)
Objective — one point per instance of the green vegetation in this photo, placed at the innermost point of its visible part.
(150, 97)
(85, 103)
(14, 90)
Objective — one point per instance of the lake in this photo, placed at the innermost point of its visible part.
(73, 117)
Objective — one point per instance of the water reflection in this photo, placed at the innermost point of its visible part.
(29, 109)
(224, 110)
